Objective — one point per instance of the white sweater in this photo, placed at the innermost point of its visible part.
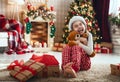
(89, 47)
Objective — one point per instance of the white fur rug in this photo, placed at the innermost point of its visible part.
(97, 73)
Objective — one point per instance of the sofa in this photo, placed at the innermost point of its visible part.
(14, 31)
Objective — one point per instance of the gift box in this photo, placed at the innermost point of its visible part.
(51, 65)
(106, 50)
(58, 47)
(26, 71)
(97, 48)
(49, 71)
(115, 69)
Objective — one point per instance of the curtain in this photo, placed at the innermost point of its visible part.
(101, 8)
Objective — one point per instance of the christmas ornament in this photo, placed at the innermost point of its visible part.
(52, 8)
(28, 25)
(52, 32)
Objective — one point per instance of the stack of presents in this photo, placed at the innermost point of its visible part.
(103, 47)
(37, 66)
(58, 47)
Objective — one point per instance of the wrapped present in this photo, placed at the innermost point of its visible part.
(23, 74)
(106, 50)
(97, 48)
(49, 71)
(51, 65)
(115, 69)
(26, 71)
(58, 47)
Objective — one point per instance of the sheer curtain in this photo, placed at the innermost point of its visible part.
(114, 7)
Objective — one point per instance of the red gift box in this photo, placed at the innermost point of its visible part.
(106, 50)
(97, 48)
(51, 63)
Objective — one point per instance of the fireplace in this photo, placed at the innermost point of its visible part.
(39, 36)
(39, 32)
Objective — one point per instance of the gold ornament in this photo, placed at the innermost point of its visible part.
(75, 7)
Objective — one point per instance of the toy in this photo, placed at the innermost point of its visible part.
(74, 36)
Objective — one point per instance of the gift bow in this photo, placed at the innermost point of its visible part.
(15, 63)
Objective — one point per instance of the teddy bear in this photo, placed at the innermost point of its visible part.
(74, 36)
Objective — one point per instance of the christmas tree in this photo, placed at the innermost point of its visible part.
(83, 8)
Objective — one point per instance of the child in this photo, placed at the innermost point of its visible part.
(79, 54)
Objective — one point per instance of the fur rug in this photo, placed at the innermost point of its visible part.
(97, 73)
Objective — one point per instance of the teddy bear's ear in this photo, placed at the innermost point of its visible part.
(68, 38)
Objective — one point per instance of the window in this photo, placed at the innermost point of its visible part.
(114, 7)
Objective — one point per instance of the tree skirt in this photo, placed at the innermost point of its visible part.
(97, 73)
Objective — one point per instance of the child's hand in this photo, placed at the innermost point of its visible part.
(83, 40)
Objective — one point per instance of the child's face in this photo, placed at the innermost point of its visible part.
(79, 27)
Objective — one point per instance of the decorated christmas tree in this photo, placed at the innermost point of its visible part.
(83, 8)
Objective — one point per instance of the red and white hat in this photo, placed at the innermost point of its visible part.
(76, 18)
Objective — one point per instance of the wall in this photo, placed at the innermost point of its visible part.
(61, 8)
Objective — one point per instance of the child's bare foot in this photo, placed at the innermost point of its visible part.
(68, 71)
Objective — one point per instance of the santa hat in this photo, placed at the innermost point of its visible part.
(76, 18)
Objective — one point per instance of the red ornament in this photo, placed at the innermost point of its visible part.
(52, 8)
(29, 6)
(26, 19)
(73, 13)
(51, 23)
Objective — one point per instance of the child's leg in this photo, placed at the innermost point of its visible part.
(76, 58)
(85, 61)
(66, 55)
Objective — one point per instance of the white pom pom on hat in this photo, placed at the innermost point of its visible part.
(76, 18)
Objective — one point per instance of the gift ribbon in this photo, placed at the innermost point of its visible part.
(26, 68)
(15, 63)
(97, 48)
